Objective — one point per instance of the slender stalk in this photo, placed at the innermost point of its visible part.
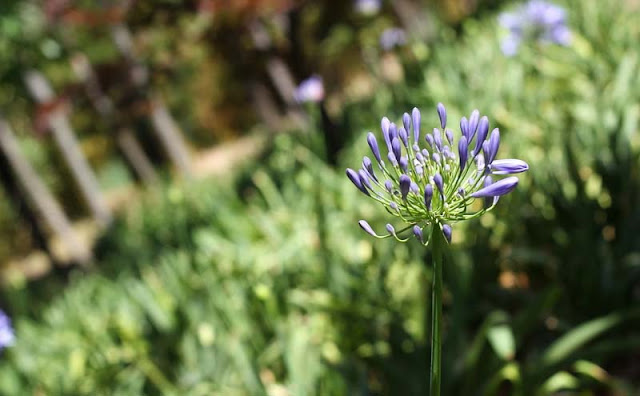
(438, 245)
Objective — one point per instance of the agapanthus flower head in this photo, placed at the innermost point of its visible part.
(536, 20)
(438, 185)
(367, 7)
(7, 335)
(392, 37)
(310, 90)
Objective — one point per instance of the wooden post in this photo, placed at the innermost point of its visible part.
(280, 75)
(164, 125)
(40, 197)
(125, 138)
(68, 145)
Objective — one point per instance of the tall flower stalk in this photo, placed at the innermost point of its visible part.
(432, 182)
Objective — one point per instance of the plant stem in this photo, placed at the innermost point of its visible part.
(438, 244)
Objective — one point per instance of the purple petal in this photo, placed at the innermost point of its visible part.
(494, 145)
(464, 127)
(406, 122)
(395, 146)
(442, 114)
(439, 183)
(404, 163)
(428, 195)
(405, 185)
(355, 179)
(508, 166)
(501, 187)
(449, 134)
(415, 115)
(367, 228)
(373, 145)
(473, 123)
(483, 130)
(418, 233)
(446, 230)
(402, 133)
(463, 152)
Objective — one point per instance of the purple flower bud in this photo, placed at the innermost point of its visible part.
(388, 185)
(419, 157)
(446, 230)
(394, 206)
(395, 146)
(428, 195)
(486, 149)
(464, 127)
(393, 131)
(418, 233)
(463, 152)
(508, 166)
(414, 188)
(442, 114)
(364, 179)
(406, 122)
(405, 185)
(439, 183)
(429, 138)
(419, 170)
(355, 179)
(473, 124)
(392, 159)
(437, 138)
(368, 166)
(494, 144)
(446, 152)
(488, 201)
(483, 130)
(373, 144)
(384, 125)
(501, 187)
(449, 134)
(403, 136)
(367, 228)
(415, 115)
(390, 229)
(436, 158)
(404, 163)
(425, 153)
(461, 192)
(416, 148)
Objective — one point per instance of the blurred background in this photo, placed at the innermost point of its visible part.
(175, 219)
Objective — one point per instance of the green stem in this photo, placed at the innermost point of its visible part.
(438, 245)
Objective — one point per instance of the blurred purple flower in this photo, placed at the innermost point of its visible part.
(7, 336)
(392, 37)
(536, 20)
(367, 7)
(310, 90)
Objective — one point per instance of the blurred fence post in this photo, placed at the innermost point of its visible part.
(125, 138)
(66, 141)
(41, 198)
(164, 125)
(279, 73)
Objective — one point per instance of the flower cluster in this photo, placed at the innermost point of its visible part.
(436, 185)
(535, 20)
(310, 90)
(6, 331)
